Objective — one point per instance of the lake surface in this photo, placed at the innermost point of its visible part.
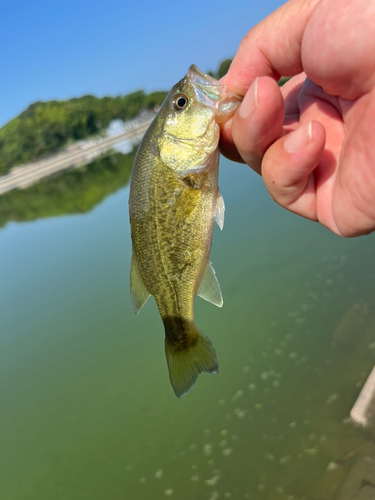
(87, 407)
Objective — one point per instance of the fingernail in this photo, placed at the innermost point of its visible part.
(250, 101)
(300, 138)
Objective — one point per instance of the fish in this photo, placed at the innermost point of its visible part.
(173, 203)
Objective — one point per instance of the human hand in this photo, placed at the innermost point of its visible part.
(316, 154)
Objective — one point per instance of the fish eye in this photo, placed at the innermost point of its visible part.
(180, 102)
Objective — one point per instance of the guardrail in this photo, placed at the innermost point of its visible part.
(32, 173)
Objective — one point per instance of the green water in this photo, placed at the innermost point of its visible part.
(86, 406)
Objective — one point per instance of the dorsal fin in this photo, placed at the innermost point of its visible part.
(138, 291)
(210, 288)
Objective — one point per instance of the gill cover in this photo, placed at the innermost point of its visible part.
(191, 132)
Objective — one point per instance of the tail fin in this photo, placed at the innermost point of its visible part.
(187, 356)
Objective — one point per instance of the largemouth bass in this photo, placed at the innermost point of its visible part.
(174, 200)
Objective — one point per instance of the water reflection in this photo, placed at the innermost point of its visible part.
(87, 406)
(70, 192)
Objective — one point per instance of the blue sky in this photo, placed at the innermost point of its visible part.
(58, 50)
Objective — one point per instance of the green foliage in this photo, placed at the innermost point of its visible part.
(45, 127)
(75, 191)
(223, 68)
(283, 80)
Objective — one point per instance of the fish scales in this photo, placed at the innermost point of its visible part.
(173, 199)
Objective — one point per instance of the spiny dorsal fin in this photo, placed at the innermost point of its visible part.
(210, 288)
(138, 291)
(220, 210)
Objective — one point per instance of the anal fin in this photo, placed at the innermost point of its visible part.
(138, 291)
(210, 288)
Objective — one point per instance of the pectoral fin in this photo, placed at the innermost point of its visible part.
(138, 291)
(210, 288)
(220, 210)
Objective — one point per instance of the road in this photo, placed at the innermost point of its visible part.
(77, 155)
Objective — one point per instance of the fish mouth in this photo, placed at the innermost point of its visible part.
(212, 93)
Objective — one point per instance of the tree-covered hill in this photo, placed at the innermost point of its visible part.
(45, 127)
(76, 191)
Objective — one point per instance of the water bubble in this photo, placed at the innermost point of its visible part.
(246, 369)
(293, 355)
(310, 451)
(238, 395)
(206, 432)
(285, 460)
(264, 375)
(212, 481)
(227, 451)
(275, 383)
(210, 462)
(214, 496)
(258, 406)
(223, 433)
(207, 449)
(332, 466)
(293, 425)
(194, 478)
(252, 387)
(168, 492)
(278, 351)
(269, 457)
(239, 413)
(332, 398)
(193, 446)
(194, 467)
(223, 443)
(227, 495)
(221, 402)
(142, 480)
(158, 474)
(261, 487)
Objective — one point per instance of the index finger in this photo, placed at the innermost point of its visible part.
(272, 48)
